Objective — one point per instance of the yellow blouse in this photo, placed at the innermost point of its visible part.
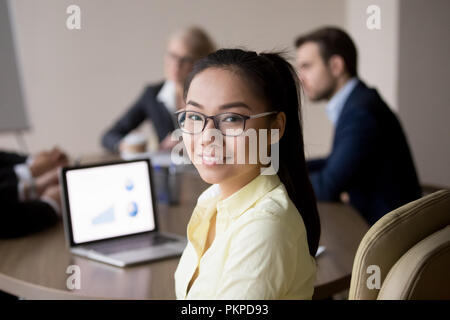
(260, 250)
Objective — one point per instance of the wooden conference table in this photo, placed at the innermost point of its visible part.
(34, 267)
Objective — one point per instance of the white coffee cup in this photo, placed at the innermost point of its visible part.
(134, 143)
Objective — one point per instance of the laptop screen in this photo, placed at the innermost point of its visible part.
(109, 201)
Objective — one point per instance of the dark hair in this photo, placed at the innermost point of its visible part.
(273, 79)
(333, 41)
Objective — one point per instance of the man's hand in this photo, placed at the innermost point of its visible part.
(46, 180)
(122, 146)
(345, 198)
(45, 161)
(53, 193)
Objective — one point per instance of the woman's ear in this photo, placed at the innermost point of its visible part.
(279, 123)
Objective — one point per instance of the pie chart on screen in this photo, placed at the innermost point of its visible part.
(129, 185)
(132, 209)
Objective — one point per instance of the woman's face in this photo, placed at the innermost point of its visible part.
(178, 61)
(215, 91)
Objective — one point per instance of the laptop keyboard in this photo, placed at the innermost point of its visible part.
(120, 245)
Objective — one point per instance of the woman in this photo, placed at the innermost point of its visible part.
(158, 102)
(251, 235)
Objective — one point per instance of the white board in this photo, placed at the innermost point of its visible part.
(13, 116)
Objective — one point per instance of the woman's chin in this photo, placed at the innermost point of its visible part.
(211, 176)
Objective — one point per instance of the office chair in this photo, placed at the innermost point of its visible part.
(406, 254)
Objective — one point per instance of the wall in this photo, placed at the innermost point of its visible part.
(377, 49)
(424, 96)
(78, 82)
(377, 65)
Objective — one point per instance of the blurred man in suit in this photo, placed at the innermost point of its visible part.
(370, 160)
(29, 191)
(159, 101)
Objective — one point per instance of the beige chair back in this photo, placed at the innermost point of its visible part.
(423, 272)
(390, 238)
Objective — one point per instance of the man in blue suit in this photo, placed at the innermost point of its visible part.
(370, 159)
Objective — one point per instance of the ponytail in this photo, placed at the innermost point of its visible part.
(293, 170)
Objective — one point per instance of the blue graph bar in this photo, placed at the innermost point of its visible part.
(104, 217)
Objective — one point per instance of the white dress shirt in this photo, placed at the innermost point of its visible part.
(337, 102)
(26, 180)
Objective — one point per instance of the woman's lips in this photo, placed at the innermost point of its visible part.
(211, 160)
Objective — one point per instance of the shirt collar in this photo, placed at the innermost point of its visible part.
(227, 210)
(167, 95)
(236, 204)
(337, 102)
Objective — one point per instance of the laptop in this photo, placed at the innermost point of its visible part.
(109, 214)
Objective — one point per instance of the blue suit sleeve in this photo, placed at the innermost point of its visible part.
(355, 141)
(314, 165)
(126, 123)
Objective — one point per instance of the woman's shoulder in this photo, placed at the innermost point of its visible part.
(276, 203)
(276, 213)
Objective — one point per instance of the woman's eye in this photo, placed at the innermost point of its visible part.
(230, 119)
(194, 117)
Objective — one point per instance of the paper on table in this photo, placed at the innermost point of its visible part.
(161, 159)
(320, 250)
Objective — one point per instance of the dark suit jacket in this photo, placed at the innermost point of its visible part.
(145, 108)
(8, 179)
(370, 158)
(19, 218)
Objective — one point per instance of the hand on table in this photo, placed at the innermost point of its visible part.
(53, 193)
(45, 161)
(46, 180)
(345, 198)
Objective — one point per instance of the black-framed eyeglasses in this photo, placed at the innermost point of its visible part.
(180, 59)
(229, 123)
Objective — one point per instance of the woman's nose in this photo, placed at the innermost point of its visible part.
(210, 133)
(209, 124)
